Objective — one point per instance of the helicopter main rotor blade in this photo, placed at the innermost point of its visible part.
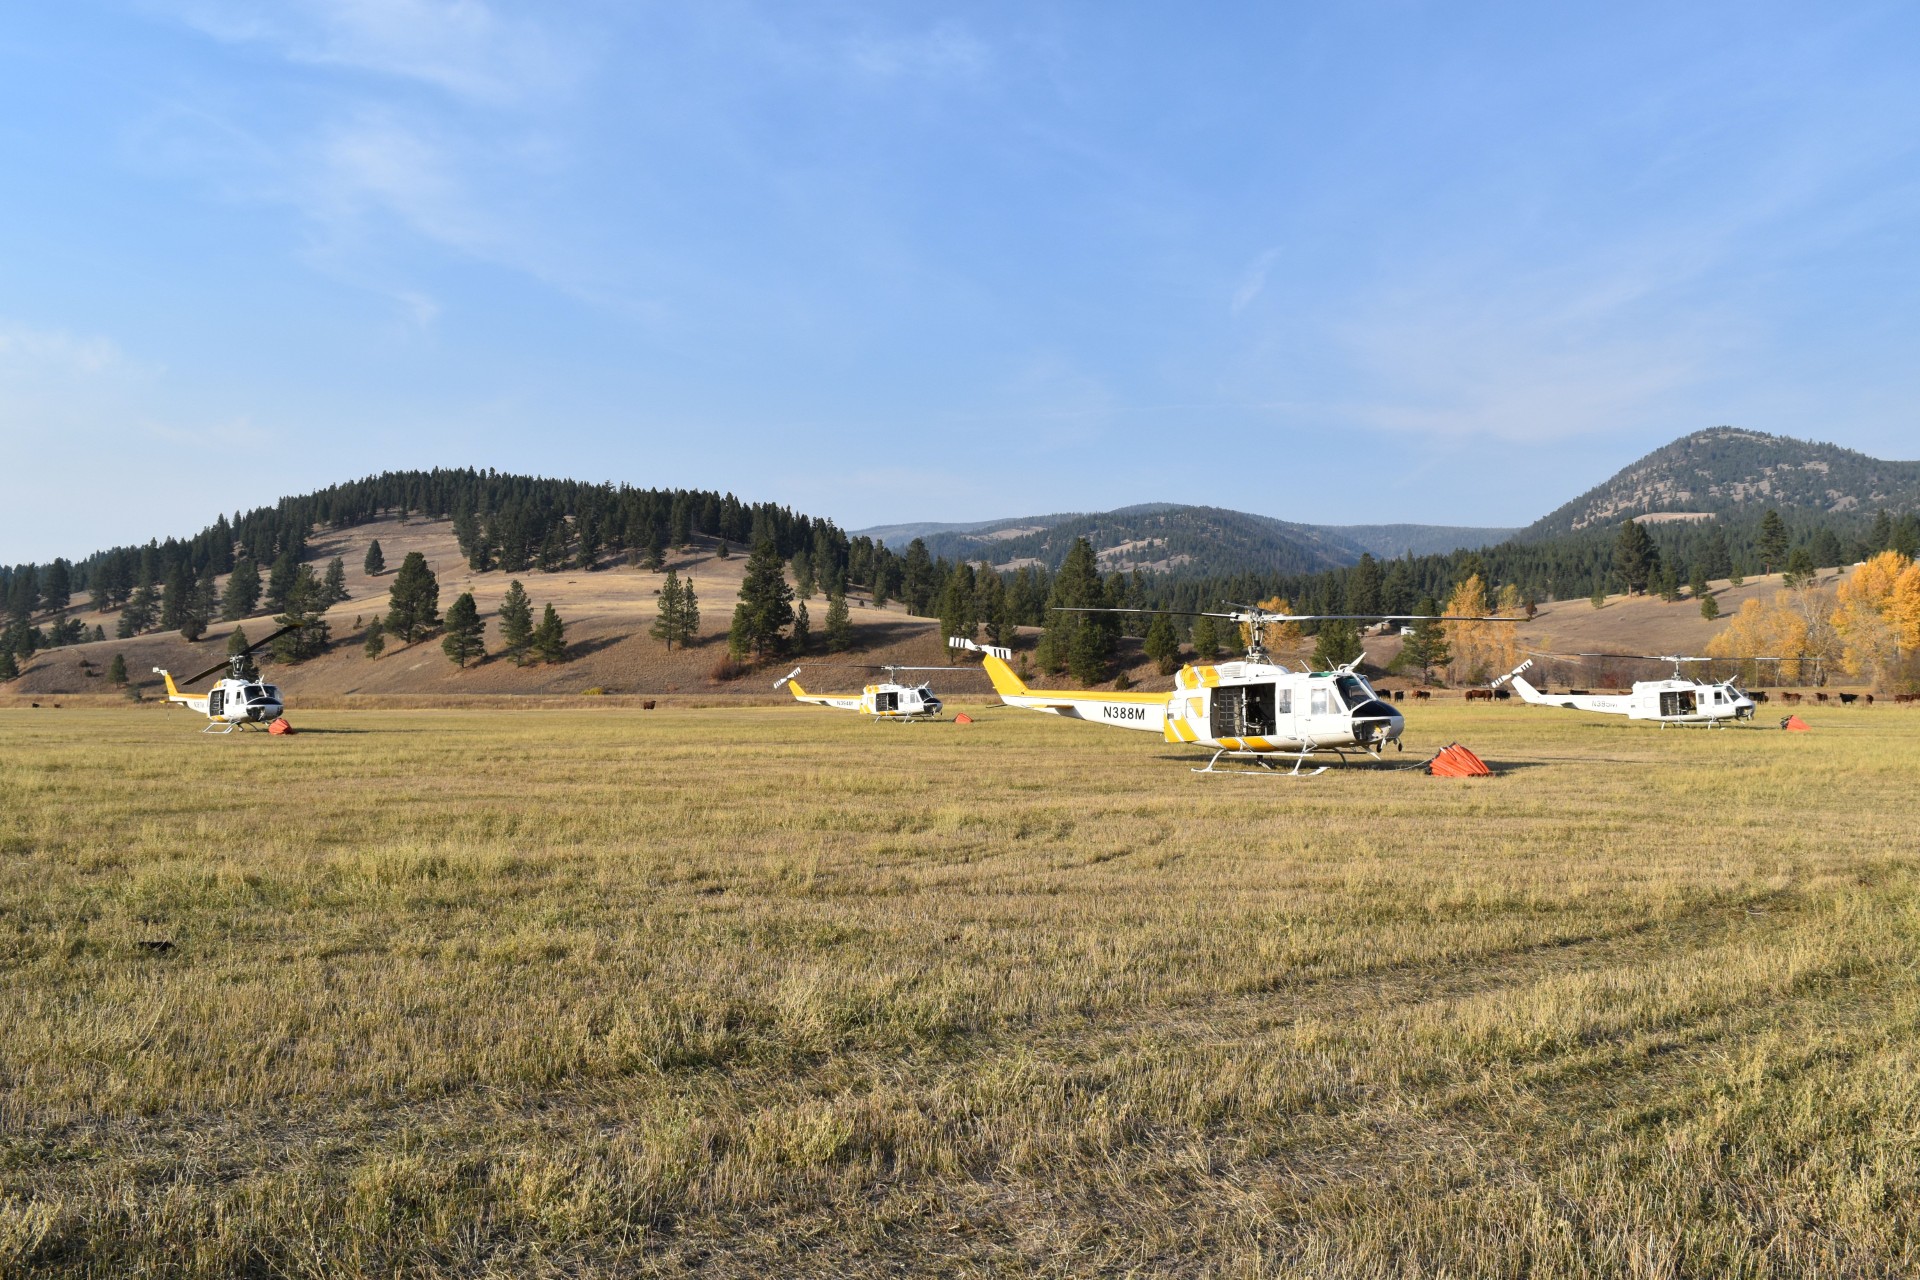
(227, 661)
(195, 679)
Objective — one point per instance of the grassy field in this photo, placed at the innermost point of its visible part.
(775, 992)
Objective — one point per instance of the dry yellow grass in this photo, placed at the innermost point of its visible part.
(773, 991)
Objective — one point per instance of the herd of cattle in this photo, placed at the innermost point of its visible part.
(1758, 695)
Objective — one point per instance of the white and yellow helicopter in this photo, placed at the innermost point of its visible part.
(1675, 700)
(887, 700)
(240, 700)
(1254, 709)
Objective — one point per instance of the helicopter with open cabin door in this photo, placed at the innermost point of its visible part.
(239, 701)
(886, 700)
(1256, 709)
(1672, 701)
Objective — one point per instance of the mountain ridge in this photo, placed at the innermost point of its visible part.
(1725, 470)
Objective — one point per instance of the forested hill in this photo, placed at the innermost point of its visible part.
(1181, 541)
(511, 522)
(1725, 470)
(1155, 538)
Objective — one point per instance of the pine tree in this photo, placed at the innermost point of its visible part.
(1205, 639)
(243, 590)
(137, 615)
(376, 562)
(1163, 644)
(839, 628)
(308, 639)
(1427, 647)
(1081, 643)
(680, 521)
(376, 639)
(1697, 585)
(1719, 560)
(1363, 586)
(1635, 558)
(1880, 537)
(957, 615)
(656, 557)
(802, 574)
(117, 671)
(9, 666)
(1736, 576)
(57, 591)
(516, 623)
(670, 628)
(765, 607)
(723, 551)
(550, 638)
(1709, 608)
(802, 629)
(198, 610)
(334, 584)
(1773, 541)
(280, 580)
(173, 605)
(916, 587)
(1337, 644)
(465, 637)
(413, 602)
(1800, 568)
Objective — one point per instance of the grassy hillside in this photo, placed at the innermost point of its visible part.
(756, 992)
(608, 613)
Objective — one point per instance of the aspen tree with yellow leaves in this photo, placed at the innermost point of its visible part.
(1877, 618)
(1281, 639)
(1795, 626)
(1481, 649)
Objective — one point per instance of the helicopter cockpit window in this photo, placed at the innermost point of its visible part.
(1353, 690)
(254, 693)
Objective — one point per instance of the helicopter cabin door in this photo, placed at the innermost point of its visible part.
(1242, 711)
(1677, 702)
(886, 703)
(217, 701)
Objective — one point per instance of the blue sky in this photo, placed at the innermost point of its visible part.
(1354, 263)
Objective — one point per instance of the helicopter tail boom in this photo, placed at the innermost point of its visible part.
(1005, 682)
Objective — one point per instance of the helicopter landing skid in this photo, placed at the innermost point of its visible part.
(1267, 767)
(223, 726)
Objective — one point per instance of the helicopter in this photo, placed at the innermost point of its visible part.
(240, 700)
(1255, 709)
(888, 700)
(1675, 700)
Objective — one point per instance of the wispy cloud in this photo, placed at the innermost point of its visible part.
(27, 353)
(946, 51)
(1253, 282)
(463, 47)
(239, 433)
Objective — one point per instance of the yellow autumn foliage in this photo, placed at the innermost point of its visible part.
(1791, 638)
(1877, 615)
(1480, 649)
(1281, 639)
